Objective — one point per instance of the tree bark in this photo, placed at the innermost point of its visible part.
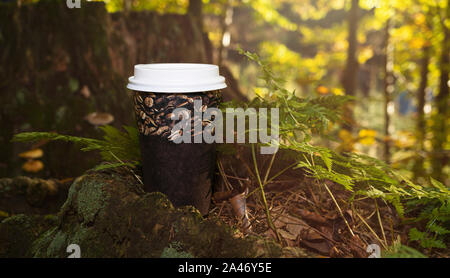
(195, 10)
(127, 6)
(349, 78)
(225, 22)
(388, 90)
(421, 124)
(439, 159)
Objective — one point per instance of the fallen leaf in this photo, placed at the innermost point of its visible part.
(286, 219)
(239, 205)
(287, 235)
(295, 229)
(320, 247)
(312, 235)
(223, 195)
(309, 216)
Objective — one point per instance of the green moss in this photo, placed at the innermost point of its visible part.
(170, 252)
(109, 215)
(90, 200)
(18, 232)
(58, 243)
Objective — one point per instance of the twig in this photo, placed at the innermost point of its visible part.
(392, 229)
(274, 177)
(269, 220)
(220, 210)
(131, 170)
(236, 178)
(270, 167)
(371, 230)
(222, 172)
(381, 224)
(339, 208)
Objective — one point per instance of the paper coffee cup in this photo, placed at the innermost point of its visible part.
(182, 171)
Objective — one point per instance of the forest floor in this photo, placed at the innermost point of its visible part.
(321, 216)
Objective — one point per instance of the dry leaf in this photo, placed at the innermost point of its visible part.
(239, 205)
(309, 216)
(295, 229)
(320, 247)
(312, 235)
(223, 195)
(287, 235)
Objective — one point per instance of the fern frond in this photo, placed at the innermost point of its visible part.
(115, 146)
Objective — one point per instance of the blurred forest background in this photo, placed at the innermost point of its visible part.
(65, 69)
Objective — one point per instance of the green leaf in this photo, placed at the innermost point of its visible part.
(402, 251)
(438, 185)
(415, 234)
(326, 157)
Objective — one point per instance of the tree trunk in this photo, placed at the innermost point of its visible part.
(349, 78)
(89, 49)
(225, 22)
(195, 10)
(439, 159)
(388, 90)
(421, 124)
(127, 5)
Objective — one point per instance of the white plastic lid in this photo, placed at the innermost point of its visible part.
(176, 78)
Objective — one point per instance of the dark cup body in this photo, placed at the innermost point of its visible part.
(183, 171)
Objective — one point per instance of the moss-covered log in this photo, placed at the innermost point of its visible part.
(17, 234)
(109, 215)
(31, 196)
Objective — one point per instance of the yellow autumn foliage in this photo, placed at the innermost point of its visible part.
(367, 136)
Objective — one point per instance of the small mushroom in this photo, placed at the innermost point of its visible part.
(98, 118)
(33, 166)
(31, 154)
